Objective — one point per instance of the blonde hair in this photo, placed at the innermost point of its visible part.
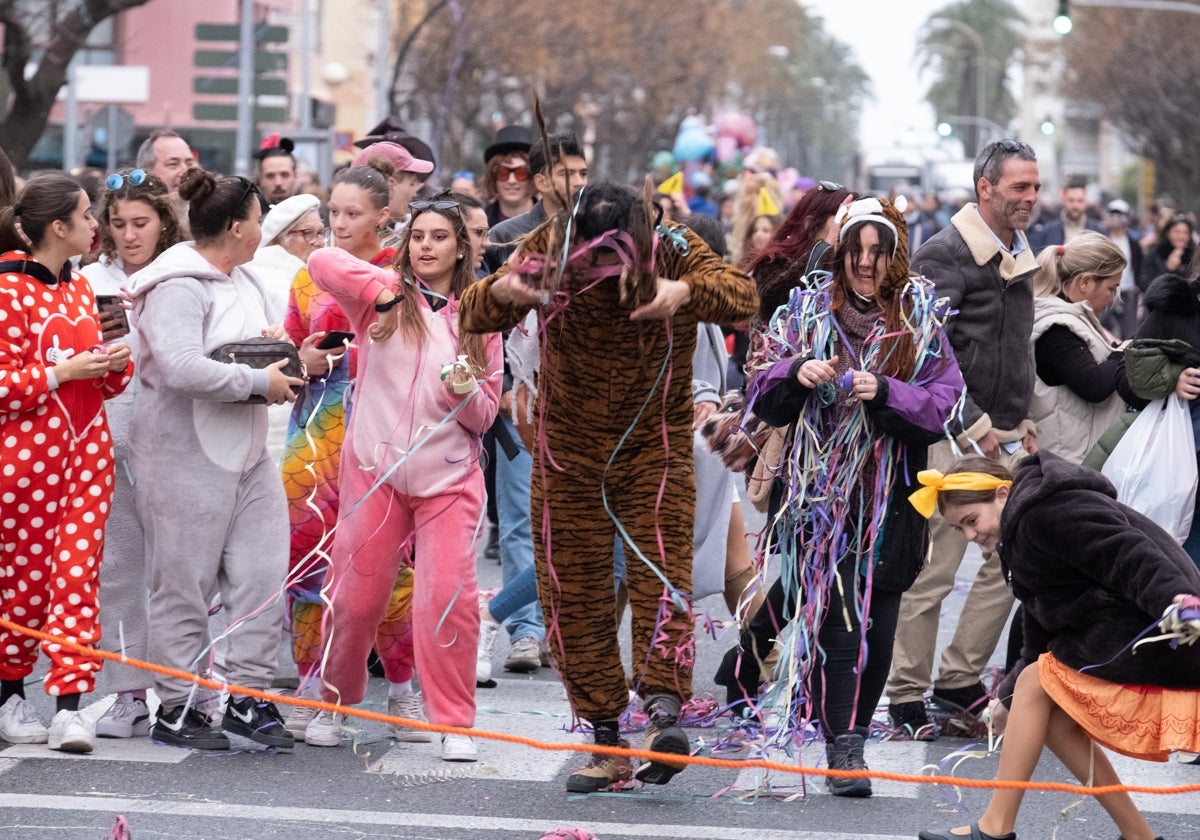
(1089, 253)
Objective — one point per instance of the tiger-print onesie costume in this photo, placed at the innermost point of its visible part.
(602, 420)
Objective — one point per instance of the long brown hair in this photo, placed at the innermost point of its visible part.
(412, 323)
(898, 351)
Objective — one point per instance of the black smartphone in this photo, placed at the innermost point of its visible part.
(112, 310)
(335, 339)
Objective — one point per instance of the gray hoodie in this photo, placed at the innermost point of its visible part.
(184, 308)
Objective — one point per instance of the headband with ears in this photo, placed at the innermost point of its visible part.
(890, 214)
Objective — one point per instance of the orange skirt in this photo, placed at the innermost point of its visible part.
(1140, 721)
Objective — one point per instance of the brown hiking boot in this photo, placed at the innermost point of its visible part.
(663, 735)
(601, 773)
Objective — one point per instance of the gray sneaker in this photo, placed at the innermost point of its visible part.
(525, 656)
(410, 706)
(19, 725)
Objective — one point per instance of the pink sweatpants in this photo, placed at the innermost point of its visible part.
(373, 539)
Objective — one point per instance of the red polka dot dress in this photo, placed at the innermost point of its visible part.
(56, 473)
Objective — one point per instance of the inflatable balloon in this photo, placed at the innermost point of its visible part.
(738, 127)
(693, 141)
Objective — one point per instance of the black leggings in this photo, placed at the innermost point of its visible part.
(833, 687)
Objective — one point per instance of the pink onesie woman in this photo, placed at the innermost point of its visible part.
(411, 485)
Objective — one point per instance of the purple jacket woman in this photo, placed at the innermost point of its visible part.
(859, 371)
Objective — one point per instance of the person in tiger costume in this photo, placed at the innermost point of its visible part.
(618, 299)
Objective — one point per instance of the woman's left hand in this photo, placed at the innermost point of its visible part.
(864, 385)
(314, 360)
(275, 331)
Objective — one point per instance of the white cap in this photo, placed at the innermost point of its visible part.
(1118, 205)
(285, 214)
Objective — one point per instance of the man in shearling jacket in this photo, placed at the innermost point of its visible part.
(983, 263)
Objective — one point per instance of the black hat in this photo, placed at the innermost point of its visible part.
(391, 131)
(511, 138)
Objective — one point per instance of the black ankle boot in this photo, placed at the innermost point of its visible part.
(739, 676)
(846, 753)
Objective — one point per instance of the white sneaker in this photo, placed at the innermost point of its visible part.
(19, 725)
(459, 748)
(70, 732)
(325, 730)
(488, 630)
(409, 705)
(298, 720)
(127, 717)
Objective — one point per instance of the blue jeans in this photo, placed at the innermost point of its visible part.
(516, 533)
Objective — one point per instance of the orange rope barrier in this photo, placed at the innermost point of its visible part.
(703, 761)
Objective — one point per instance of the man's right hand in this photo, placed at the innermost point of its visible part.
(989, 445)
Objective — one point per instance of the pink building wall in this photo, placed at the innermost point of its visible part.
(161, 36)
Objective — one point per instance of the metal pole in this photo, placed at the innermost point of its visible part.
(71, 122)
(305, 65)
(245, 91)
(112, 137)
(383, 107)
(980, 62)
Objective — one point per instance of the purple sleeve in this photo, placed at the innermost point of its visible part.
(768, 379)
(929, 401)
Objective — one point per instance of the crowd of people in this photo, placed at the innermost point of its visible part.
(592, 375)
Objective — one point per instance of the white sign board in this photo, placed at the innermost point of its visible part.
(110, 85)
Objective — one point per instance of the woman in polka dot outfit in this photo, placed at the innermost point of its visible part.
(57, 476)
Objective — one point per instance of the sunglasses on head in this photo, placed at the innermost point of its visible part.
(829, 186)
(116, 180)
(433, 204)
(521, 173)
(249, 187)
(1008, 146)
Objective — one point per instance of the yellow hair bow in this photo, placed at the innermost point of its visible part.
(933, 482)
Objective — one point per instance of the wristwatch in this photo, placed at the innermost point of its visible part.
(390, 305)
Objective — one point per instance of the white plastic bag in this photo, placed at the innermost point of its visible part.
(1154, 466)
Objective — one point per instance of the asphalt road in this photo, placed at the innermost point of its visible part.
(381, 789)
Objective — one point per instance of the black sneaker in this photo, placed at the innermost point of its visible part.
(912, 718)
(258, 721)
(186, 726)
(972, 699)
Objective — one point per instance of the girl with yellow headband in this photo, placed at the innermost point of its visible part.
(1089, 593)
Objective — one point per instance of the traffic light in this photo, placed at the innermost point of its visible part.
(1062, 20)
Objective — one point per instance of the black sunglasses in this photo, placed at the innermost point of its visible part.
(249, 187)
(829, 186)
(1008, 146)
(433, 204)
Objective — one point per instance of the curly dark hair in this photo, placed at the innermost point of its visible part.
(151, 191)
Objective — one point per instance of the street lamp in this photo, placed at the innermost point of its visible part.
(1062, 20)
(980, 85)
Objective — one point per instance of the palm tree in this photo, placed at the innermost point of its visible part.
(949, 48)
